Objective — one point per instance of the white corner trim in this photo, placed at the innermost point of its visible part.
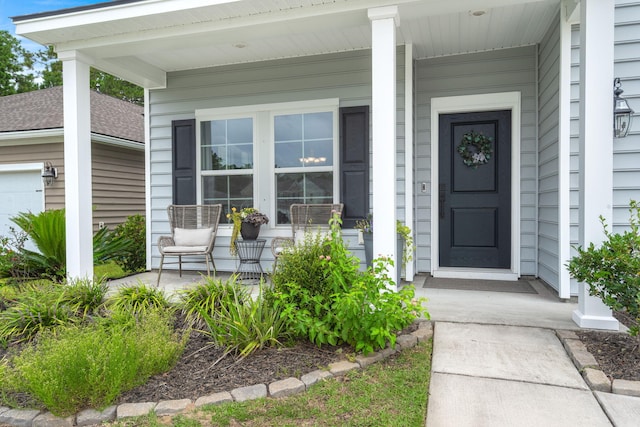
(471, 103)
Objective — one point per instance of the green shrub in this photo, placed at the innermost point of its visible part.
(612, 270)
(134, 259)
(85, 296)
(241, 323)
(89, 366)
(35, 310)
(138, 298)
(46, 231)
(342, 304)
(208, 298)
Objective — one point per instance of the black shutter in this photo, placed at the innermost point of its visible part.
(354, 163)
(183, 156)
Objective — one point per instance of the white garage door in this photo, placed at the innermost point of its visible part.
(20, 191)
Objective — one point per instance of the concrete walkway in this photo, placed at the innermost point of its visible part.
(497, 362)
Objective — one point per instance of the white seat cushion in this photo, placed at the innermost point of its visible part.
(300, 235)
(184, 249)
(192, 237)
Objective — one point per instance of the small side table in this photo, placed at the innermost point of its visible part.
(249, 252)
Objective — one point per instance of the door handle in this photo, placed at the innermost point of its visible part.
(441, 198)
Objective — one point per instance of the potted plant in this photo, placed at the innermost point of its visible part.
(246, 222)
(405, 241)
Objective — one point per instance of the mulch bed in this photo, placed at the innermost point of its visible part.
(617, 353)
(202, 370)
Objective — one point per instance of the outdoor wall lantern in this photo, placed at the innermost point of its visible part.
(621, 112)
(49, 173)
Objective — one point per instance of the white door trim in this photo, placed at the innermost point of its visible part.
(465, 104)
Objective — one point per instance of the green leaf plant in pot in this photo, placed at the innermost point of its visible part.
(405, 241)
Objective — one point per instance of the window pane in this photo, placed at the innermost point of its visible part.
(288, 127)
(318, 125)
(226, 144)
(302, 188)
(288, 154)
(240, 131)
(304, 140)
(231, 191)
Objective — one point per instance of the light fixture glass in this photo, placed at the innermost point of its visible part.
(49, 173)
(622, 113)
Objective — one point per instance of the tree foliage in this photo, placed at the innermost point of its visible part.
(16, 74)
(25, 71)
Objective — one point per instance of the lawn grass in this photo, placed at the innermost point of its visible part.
(393, 392)
(109, 270)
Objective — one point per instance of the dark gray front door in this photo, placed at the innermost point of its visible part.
(474, 199)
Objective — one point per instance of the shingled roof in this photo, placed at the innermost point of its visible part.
(43, 109)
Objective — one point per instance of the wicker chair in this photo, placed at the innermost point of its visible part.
(193, 233)
(304, 218)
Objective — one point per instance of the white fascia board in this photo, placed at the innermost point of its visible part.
(27, 137)
(46, 136)
(118, 142)
(111, 13)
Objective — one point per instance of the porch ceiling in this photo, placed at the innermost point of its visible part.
(143, 40)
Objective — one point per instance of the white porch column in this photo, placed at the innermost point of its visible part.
(77, 165)
(409, 188)
(383, 117)
(596, 138)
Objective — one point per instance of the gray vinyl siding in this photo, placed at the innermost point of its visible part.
(626, 152)
(40, 153)
(548, 166)
(503, 70)
(346, 76)
(118, 184)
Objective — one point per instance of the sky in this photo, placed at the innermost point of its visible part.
(10, 8)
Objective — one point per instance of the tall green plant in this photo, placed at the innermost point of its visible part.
(89, 366)
(349, 306)
(612, 270)
(134, 230)
(242, 324)
(47, 232)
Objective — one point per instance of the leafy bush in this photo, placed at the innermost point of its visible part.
(46, 231)
(138, 298)
(85, 296)
(134, 230)
(89, 366)
(35, 310)
(11, 259)
(209, 297)
(340, 303)
(239, 322)
(612, 270)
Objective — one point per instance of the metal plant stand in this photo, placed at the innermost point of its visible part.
(249, 252)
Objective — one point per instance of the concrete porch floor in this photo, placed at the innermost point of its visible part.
(542, 309)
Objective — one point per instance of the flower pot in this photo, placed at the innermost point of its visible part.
(249, 231)
(368, 252)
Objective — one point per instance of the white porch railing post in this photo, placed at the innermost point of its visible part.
(383, 94)
(596, 138)
(77, 166)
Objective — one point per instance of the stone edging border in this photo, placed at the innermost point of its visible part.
(281, 388)
(590, 370)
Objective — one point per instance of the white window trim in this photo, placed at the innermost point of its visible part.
(264, 149)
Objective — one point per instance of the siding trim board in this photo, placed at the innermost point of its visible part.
(471, 103)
